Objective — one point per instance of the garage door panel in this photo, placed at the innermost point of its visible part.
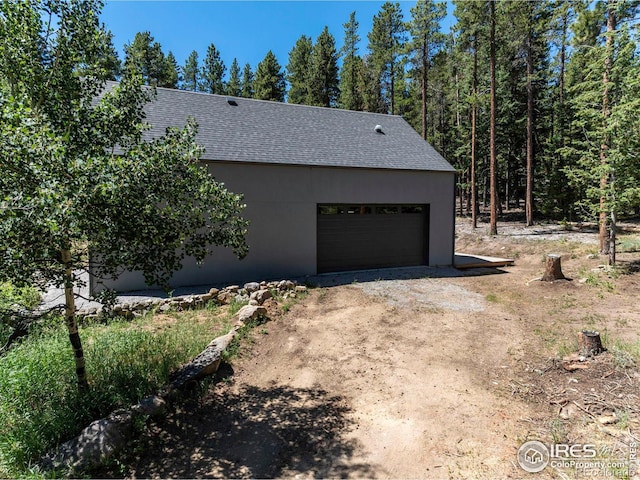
(348, 241)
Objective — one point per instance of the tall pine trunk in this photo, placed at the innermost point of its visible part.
(604, 147)
(71, 321)
(393, 88)
(474, 115)
(530, 113)
(425, 51)
(493, 161)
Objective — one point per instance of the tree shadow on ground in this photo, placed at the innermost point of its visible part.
(252, 433)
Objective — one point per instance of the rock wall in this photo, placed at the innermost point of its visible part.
(107, 436)
(253, 292)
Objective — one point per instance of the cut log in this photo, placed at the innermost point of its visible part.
(553, 268)
(590, 343)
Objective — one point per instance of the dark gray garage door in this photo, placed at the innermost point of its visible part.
(353, 237)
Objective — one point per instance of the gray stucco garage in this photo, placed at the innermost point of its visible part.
(326, 189)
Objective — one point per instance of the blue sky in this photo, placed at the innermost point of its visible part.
(243, 29)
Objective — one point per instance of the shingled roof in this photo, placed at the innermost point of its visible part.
(256, 131)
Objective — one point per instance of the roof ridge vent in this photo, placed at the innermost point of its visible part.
(378, 129)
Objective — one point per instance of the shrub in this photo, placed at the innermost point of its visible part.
(40, 405)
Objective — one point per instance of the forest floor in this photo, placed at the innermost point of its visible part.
(428, 377)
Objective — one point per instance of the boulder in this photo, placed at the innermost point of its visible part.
(225, 298)
(206, 363)
(261, 295)
(153, 406)
(250, 312)
(232, 288)
(251, 286)
(205, 297)
(164, 308)
(95, 444)
(241, 298)
(286, 285)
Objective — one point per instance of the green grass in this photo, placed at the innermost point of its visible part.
(628, 243)
(491, 297)
(40, 405)
(625, 354)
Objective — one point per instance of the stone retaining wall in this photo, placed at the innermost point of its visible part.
(105, 437)
(253, 292)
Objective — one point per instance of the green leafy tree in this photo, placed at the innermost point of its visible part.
(299, 74)
(324, 86)
(78, 175)
(234, 85)
(191, 73)
(269, 83)
(351, 70)
(212, 73)
(386, 42)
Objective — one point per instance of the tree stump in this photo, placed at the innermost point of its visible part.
(590, 343)
(553, 268)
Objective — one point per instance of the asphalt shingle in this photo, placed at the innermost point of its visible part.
(257, 131)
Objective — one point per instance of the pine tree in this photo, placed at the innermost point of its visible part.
(324, 84)
(269, 83)
(191, 73)
(144, 56)
(299, 71)
(212, 72)
(351, 71)
(171, 75)
(493, 159)
(234, 84)
(603, 100)
(111, 66)
(386, 41)
(246, 89)
(426, 39)
(471, 17)
(369, 84)
(527, 27)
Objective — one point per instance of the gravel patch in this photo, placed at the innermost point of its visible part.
(587, 234)
(426, 292)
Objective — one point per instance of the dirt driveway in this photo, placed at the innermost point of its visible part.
(408, 378)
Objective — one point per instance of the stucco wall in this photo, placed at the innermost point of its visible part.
(281, 206)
